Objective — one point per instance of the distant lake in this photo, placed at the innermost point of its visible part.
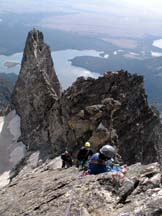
(158, 43)
(67, 73)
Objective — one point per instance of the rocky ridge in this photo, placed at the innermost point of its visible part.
(46, 191)
(112, 108)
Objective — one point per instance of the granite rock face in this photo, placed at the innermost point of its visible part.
(46, 191)
(112, 108)
(36, 90)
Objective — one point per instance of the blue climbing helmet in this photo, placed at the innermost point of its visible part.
(108, 151)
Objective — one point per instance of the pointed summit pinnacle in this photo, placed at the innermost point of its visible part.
(36, 90)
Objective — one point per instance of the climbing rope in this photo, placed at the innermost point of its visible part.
(72, 195)
(70, 203)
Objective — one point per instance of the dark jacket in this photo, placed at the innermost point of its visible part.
(66, 159)
(99, 165)
(84, 154)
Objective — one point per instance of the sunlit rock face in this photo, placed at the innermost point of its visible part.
(46, 191)
(36, 90)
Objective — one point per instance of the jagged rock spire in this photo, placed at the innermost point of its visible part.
(37, 54)
(36, 90)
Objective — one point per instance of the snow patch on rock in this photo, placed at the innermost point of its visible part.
(14, 127)
(1, 123)
(11, 150)
(18, 153)
(4, 179)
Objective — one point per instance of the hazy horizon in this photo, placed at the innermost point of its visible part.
(133, 18)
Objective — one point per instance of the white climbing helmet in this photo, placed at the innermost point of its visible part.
(108, 151)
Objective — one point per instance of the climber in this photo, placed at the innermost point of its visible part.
(66, 160)
(103, 160)
(84, 155)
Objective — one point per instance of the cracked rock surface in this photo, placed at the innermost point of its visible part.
(47, 190)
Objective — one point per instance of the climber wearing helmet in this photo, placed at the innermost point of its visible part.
(66, 160)
(98, 162)
(84, 154)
